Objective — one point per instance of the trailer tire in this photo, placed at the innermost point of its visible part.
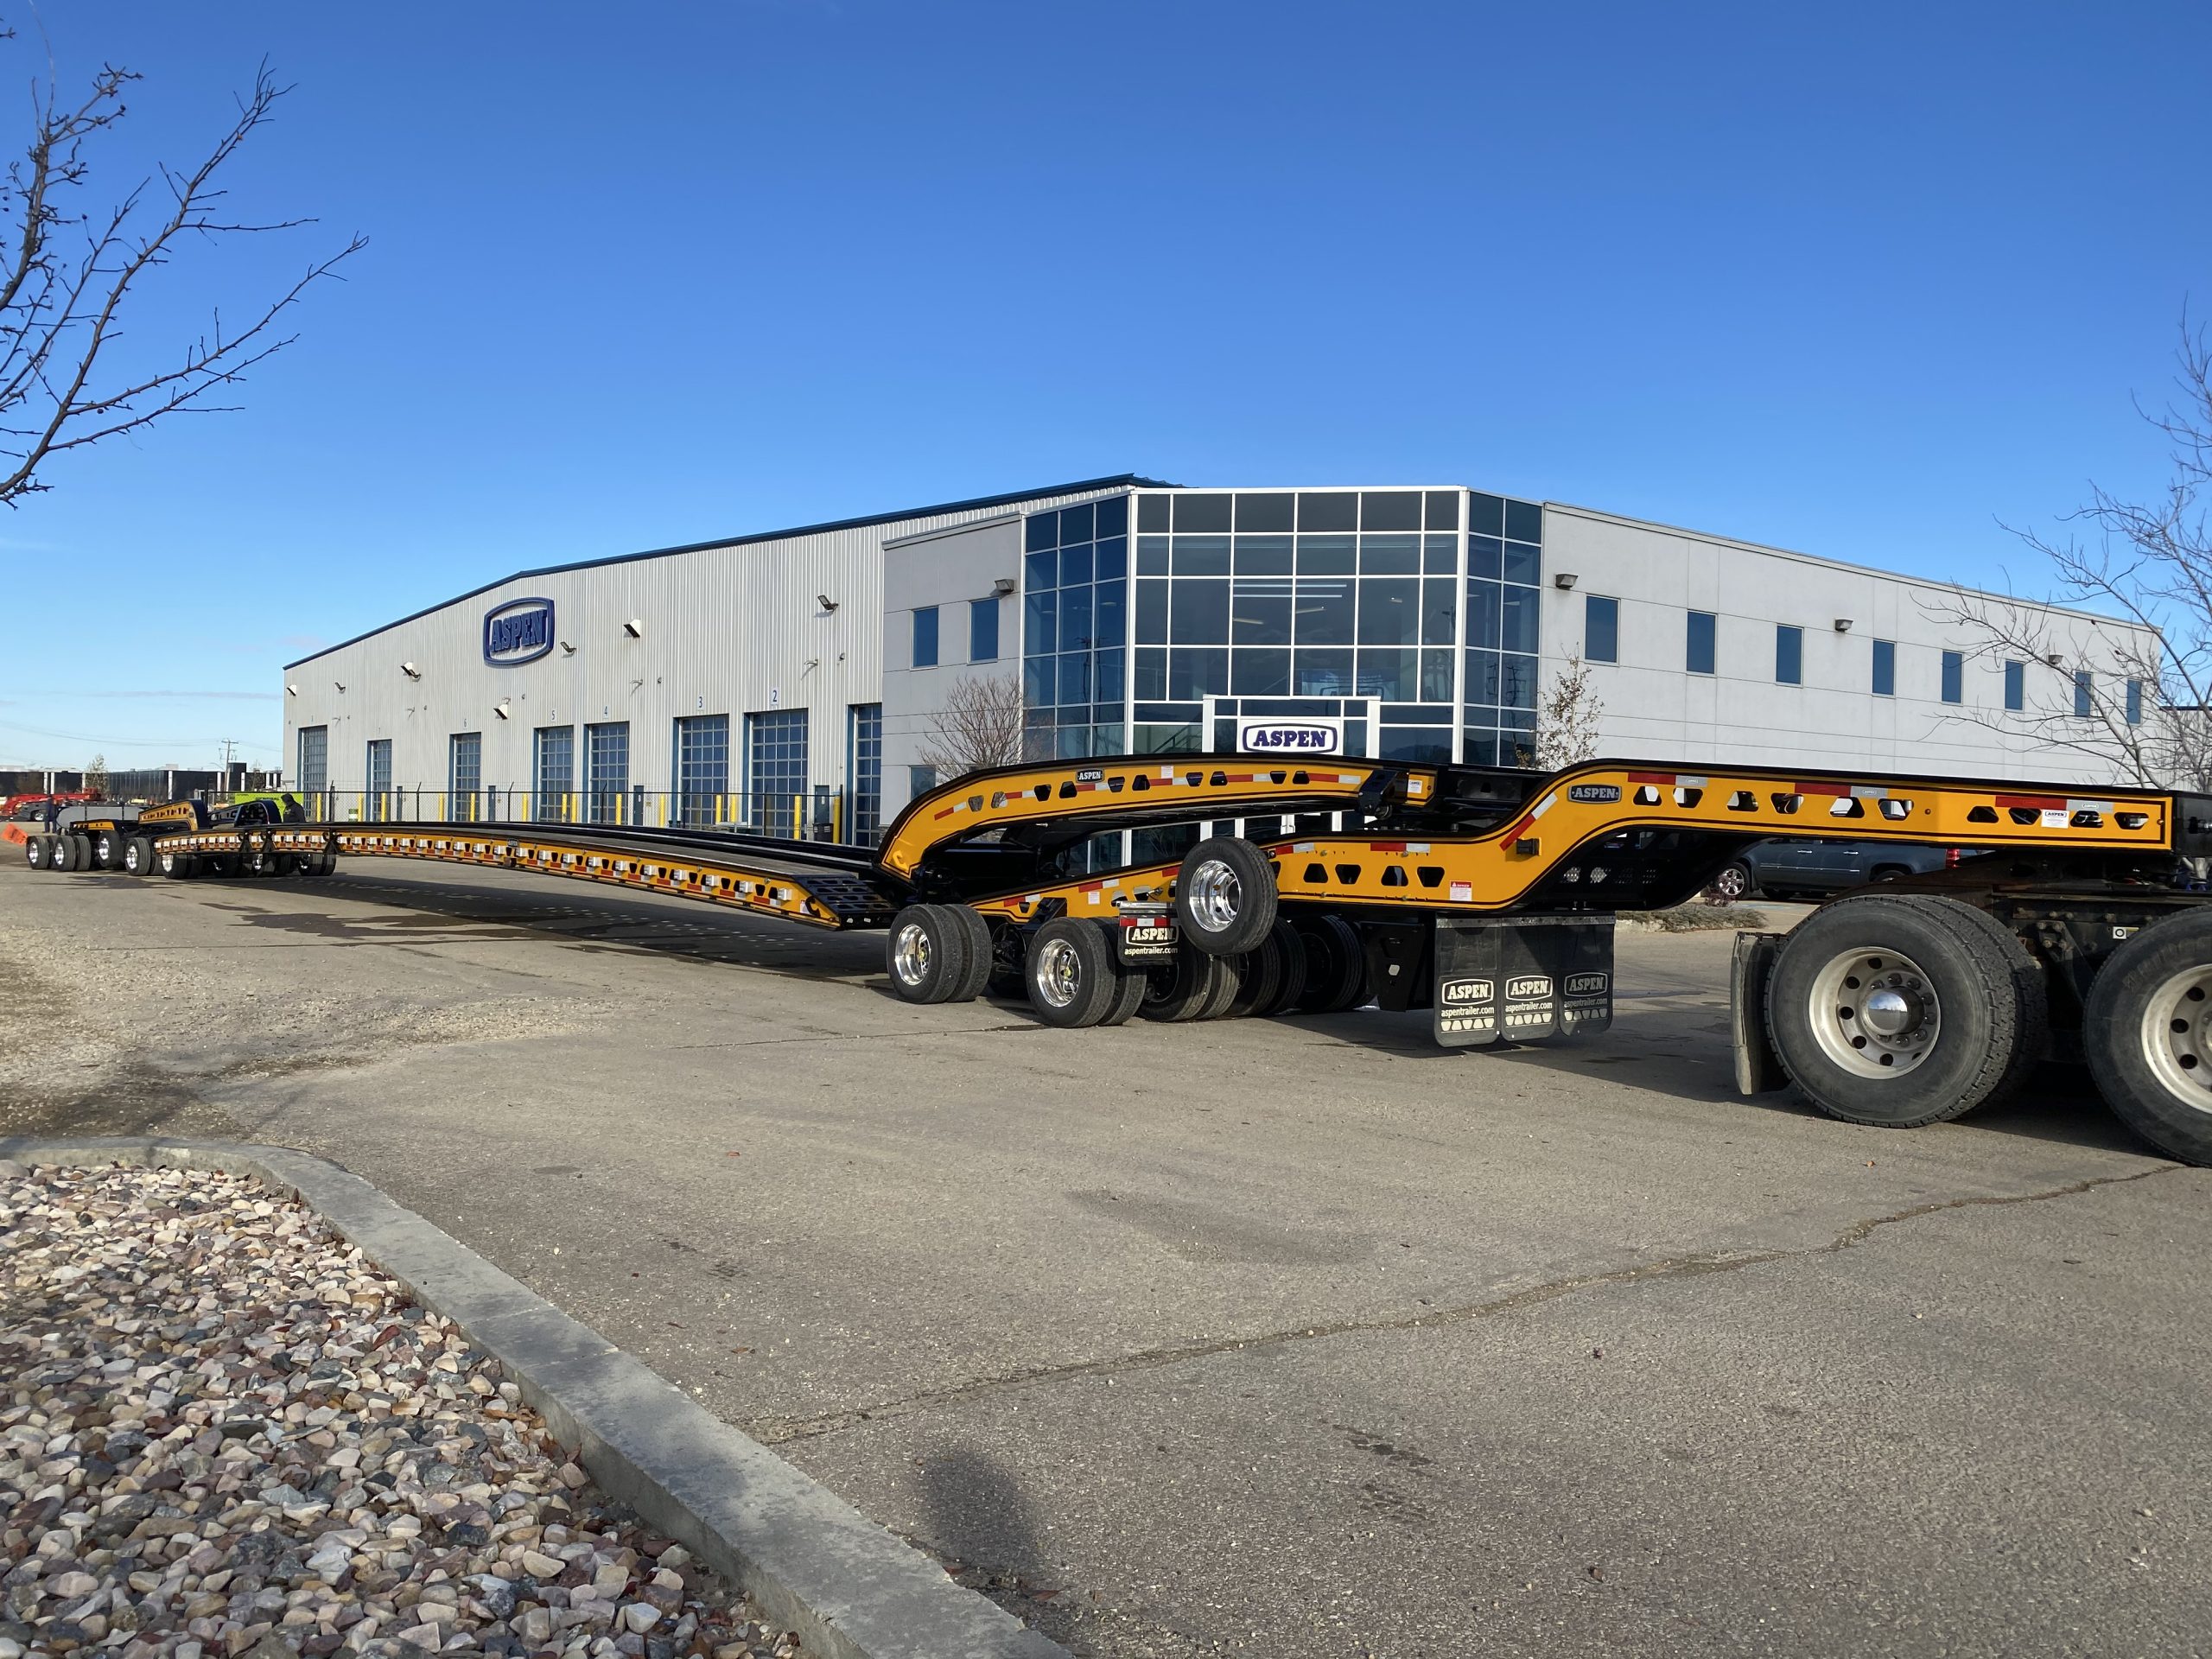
(1128, 996)
(1073, 978)
(1264, 967)
(1900, 1010)
(69, 853)
(1225, 895)
(107, 850)
(1227, 986)
(178, 867)
(926, 954)
(975, 972)
(138, 856)
(1336, 966)
(35, 851)
(2146, 1032)
(1180, 991)
(1286, 939)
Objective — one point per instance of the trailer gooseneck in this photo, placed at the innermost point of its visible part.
(1484, 895)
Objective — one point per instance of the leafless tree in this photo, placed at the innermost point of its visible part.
(2130, 699)
(980, 726)
(66, 279)
(1567, 716)
(96, 775)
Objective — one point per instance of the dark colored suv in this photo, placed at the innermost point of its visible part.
(1789, 870)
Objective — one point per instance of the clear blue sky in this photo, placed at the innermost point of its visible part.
(1860, 282)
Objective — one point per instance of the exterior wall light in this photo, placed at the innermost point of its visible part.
(568, 649)
(635, 628)
(1564, 580)
(340, 685)
(291, 689)
(2054, 658)
(501, 709)
(1843, 624)
(825, 601)
(1003, 585)
(410, 671)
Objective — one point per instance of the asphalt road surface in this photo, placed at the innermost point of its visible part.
(1291, 1337)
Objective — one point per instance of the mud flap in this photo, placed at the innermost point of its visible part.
(1524, 977)
(1758, 1069)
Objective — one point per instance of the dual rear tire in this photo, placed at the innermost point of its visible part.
(2146, 1032)
(938, 953)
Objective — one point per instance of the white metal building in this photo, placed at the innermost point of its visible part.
(794, 680)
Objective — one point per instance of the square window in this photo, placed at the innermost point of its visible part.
(1202, 513)
(1390, 510)
(1040, 571)
(1259, 614)
(1439, 554)
(1955, 674)
(1077, 522)
(1113, 516)
(1485, 558)
(924, 653)
(1260, 673)
(1885, 668)
(1274, 511)
(1152, 555)
(1153, 511)
(1525, 521)
(1322, 673)
(1041, 531)
(1199, 614)
(1443, 511)
(1075, 564)
(1699, 653)
(1195, 671)
(1788, 655)
(1601, 629)
(1389, 611)
(1393, 675)
(1524, 564)
(1328, 510)
(1486, 514)
(1110, 558)
(1322, 613)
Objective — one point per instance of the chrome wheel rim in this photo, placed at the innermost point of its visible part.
(1058, 974)
(1732, 883)
(910, 953)
(2176, 1037)
(1215, 896)
(1875, 1013)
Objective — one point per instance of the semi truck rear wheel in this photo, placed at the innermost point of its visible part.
(1180, 989)
(1225, 895)
(1336, 964)
(927, 954)
(138, 856)
(69, 853)
(1073, 979)
(1900, 1011)
(976, 974)
(35, 851)
(1288, 940)
(2146, 1032)
(1129, 992)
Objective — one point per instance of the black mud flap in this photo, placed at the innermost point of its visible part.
(1758, 1069)
(1524, 977)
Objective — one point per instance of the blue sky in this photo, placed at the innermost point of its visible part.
(1862, 282)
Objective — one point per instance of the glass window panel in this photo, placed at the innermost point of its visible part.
(1202, 555)
(1414, 714)
(1151, 613)
(1037, 611)
(2082, 705)
(1073, 742)
(2135, 703)
(1443, 512)
(1482, 677)
(1165, 740)
(1322, 673)
(1484, 614)
(1516, 684)
(1042, 530)
(1111, 626)
(1522, 563)
(1113, 516)
(1110, 684)
(1076, 523)
(1075, 618)
(2016, 686)
(1324, 613)
(1167, 714)
(1040, 571)
(1263, 555)
(1151, 673)
(1107, 740)
(1439, 611)
(1152, 511)
(1275, 511)
(1788, 655)
(1525, 521)
(1423, 745)
(1440, 554)
(1075, 679)
(1260, 673)
(1394, 676)
(1480, 749)
(1486, 514)
(983, 630)
(1389, 611)
(1885, 668)
(1197, 671)
(1517, 620)
(1700, 654)
(1039, 682)
(1075, 564)
(1389, 510)
(925, 654)
(1199, 612)
(1954, 670)
(1261, 617)
(1152, 555)
(1328, 556)
(1389, 556)
(1601, 629)
(1111, 562)
(1516, 719)
(1328, 510)
(1436, 675)
(1485, 558)
(1201, 513)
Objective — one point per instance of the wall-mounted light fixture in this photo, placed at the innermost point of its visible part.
(825, 601)
(635, 628)
(2054, 658)
(410, 671)
(501, 709)
(1564, 580)
(566, 649)
(1843, 624)
(1003, 585)
(340, 685)
(291, 690)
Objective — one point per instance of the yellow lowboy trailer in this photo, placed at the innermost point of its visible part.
(1486, 896)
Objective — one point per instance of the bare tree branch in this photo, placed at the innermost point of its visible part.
(980, 726)
(1567, 717)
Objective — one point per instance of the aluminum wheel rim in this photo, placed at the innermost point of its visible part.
(2176, 1037)
(1058, 973)
(1875, 1012)
(909, 954)
(1215, 896)
(1731, 883)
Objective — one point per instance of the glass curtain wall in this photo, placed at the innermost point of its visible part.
(1075, 622)
(1504, 568)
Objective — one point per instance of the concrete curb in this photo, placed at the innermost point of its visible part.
(813, 1563)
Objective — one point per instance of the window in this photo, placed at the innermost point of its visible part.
(864, 772)
(701, 768)
(775, 750)
(2083, 707)
(315, 758)
(378, 805)
(607, 772)
(2016, 686)
(1954, 675)
(1700, 656)
(919, 781)
(1789, 656)
(465, 774)
(553, 772)
(1076, 610)
(983, 630)
(1885, 668)
(925, 637)
(2135, 703)
(1601, 630)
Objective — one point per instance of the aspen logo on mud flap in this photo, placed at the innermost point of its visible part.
(1594, 791)
(1587, 984)
(1460, 992)
(1525, 988)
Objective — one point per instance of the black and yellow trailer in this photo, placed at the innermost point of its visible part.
(1483, 896)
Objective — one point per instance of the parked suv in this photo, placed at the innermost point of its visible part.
(1788, 869)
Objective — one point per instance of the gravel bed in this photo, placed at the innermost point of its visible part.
(222, 1432)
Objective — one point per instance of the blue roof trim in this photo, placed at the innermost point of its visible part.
(1128, 480)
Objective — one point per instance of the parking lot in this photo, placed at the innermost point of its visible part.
(1294, 1336)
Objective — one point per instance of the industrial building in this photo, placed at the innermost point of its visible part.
(798, 682)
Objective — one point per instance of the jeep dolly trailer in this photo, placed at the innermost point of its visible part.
(1485, 896)
(119, 835)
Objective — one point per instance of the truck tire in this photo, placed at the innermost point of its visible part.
(1900, 1010)
(1180, 991)
(69, 853)
(2146, 1032)
(1336, 964)
(178, 867)
(107, 850)
(1073, 978)
(1266, 970)
(138, 856)
(35, 851)
(976, 973)
(1128, 997)
(927, 954)
(1230, 981)
(1225, 895)
(1291, 943)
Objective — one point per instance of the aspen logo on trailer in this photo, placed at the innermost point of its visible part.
(520, 631)
(1290, 736)
(1594, 791)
